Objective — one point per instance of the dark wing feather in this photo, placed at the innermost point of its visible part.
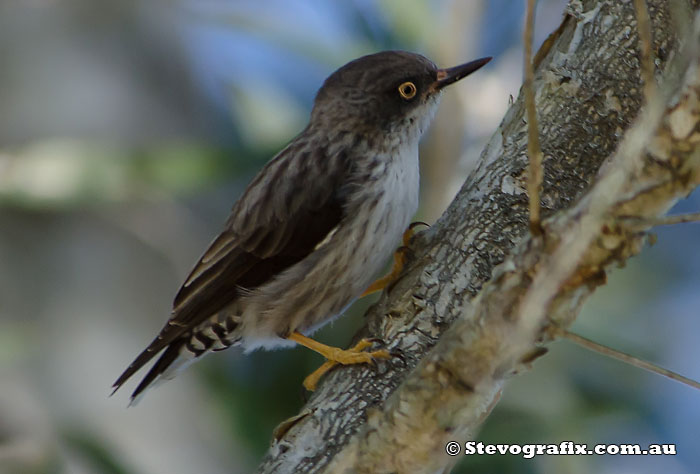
(291, 205)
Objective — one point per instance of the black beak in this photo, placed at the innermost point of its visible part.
(448, 76)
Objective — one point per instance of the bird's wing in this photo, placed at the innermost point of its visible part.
(291, 205)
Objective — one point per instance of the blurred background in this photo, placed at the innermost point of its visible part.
(128, 129)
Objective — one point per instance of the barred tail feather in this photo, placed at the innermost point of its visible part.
(181, 352)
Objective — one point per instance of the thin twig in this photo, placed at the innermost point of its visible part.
(621, 356)
(534, 151)
(673, 220)
(646, 222)
(645, 45)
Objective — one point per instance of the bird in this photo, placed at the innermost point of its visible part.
(314, 226)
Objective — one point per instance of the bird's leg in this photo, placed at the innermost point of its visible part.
(399, 262)
(354, 355)
(312, 379)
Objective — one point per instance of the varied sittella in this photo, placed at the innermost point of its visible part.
(316, 224)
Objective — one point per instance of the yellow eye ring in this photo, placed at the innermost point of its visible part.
(408, 90)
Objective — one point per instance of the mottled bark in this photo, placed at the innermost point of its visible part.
(397, 417)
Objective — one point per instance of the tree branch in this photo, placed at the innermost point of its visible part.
(534, 152)
(397, 417)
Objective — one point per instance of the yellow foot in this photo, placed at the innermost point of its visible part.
(400, 257)
(354, 355)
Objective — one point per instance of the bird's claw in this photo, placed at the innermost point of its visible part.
(354, 355)
(374, 340)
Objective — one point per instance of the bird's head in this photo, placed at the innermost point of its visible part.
(385, 92)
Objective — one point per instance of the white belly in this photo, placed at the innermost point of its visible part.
(320, 287)
(397, 205)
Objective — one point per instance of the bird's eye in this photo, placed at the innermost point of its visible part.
(408, 90)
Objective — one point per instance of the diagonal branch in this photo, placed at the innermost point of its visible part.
(368, 418)
(542, 284)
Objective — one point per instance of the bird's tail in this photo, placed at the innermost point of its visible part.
(173, 360)
(178, 355)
